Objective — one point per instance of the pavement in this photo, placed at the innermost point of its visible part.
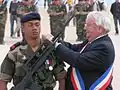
(70, 35)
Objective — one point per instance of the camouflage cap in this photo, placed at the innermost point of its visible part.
(30, 16)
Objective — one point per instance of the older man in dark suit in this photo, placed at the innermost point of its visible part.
(90, 62)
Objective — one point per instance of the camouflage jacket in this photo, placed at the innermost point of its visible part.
(82, 8)
(23, 9)
(11, 67)
(57, 9)
(3, 13)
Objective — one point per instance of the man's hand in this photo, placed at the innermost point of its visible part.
(47, 39)
(52, 13)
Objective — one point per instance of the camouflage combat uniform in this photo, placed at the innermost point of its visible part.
(81, 14)
(3, 17)
(23, 9)
(45, 78)
(56, 21)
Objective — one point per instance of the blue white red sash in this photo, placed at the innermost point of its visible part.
(100, 84)
(76, 79)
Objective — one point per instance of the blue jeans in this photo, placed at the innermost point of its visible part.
(12, 19)
(116, 19)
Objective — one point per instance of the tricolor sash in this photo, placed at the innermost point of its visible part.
(100, 84)
(76, 79)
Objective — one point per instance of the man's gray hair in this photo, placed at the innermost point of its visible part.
(101, 19)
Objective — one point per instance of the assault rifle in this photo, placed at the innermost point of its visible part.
(38, 59)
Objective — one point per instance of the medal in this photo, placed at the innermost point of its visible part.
(50, 68)
(48, 64)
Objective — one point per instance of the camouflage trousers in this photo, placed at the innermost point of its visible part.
(80, 21)
(56, 27)
(2, 30)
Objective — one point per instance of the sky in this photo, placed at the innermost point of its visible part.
(109, 1)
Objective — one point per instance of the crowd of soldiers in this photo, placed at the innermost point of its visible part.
(57, 12)
(22, 8)
(16, 10)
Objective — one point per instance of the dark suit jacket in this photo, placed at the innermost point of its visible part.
(13, 7)
(92, 62)
(115, 9)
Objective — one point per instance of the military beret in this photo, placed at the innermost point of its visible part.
(30, 16)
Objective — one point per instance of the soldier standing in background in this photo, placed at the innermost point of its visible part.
(57, 11)
(3, 17)
(24, 7)
(82, 9)
(13, 17)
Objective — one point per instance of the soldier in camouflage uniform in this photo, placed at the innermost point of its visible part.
(3, 17)
(57, 11)
(24, 7)
(82, 9)
(11, 67)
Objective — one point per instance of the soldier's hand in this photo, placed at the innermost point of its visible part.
(52, 13)
(60, 13)
(76, 13)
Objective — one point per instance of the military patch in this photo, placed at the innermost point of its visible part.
(15, 45)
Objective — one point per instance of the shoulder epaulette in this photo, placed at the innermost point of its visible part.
(15, 45)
